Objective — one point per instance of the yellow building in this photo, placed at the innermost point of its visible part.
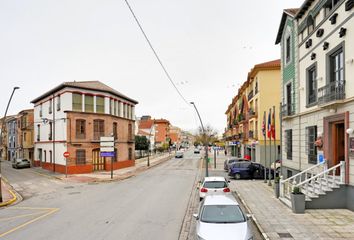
(245, 114)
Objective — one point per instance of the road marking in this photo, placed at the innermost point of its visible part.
(51, 211)
(21, 216)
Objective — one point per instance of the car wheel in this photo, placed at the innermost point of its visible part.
(237, 176)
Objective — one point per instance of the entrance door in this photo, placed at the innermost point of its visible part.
(97, 161)
(338, 137)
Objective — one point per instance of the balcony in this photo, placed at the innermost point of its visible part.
(250, 134)
(288, 110)
(251, 113)
(250, 95)
(241, 117)
(331, 93)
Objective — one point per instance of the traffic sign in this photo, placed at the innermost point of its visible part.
(107, 144)
(66, 154)
(106, 139)
(107, 149)
(107, 154)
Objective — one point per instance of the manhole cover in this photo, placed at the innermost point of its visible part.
(285, 235)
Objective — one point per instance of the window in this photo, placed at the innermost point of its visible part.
(99, 104)
(311, 150)
(98, 129)
(80, 128)
(38, 132)
(41, 110)
(130, 132)
(289, 173)
(50, 135)
(337, 66)
(130, 155)
(40, 154)
(58, 103)
(287, 49)
(115, 108)
(111, 106)
(310, 24)
(88, 103)
(50, 106)
(77, 102)
(24, 137)
(289, 143)
(311, 85)
(45, 155)
(329, 5)
(80, 157)
(115, 130)
(50, 156)
(119, 108)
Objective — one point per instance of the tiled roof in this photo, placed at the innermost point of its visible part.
(142, 133)
(270, 64)
(146, 124)
(88, 85)
(291, 11)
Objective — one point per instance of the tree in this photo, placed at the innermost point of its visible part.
(141, 143)
(210, 136)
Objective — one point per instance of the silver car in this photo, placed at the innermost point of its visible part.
(220, 217)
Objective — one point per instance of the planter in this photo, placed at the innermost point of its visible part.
(298, 203)
(277, 189)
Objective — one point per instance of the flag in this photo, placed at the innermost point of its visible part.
(273, 124)
(269, 124)
(263, 124)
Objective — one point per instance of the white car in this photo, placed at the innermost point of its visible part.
(220, 217)
(214, 185)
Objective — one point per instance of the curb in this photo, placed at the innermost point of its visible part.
(14, 197)
(264, 235)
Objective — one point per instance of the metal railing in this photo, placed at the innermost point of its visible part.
(331, 92)
(287, 110)
(250, 95)
(287, 185)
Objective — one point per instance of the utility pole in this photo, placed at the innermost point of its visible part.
(205, 142)
(2, 130)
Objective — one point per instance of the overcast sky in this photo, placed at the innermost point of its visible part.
(207, 46)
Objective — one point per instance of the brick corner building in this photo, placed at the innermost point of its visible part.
(72, 117)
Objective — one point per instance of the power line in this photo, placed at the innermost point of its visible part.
(155, 53)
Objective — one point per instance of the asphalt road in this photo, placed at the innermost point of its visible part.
(151, 205)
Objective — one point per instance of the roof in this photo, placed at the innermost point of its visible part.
(304, 7)
(271, 65)
(287, 12)
(143, 133)
(220, 200)
(87, 85)
(145, 124)
(161, 121)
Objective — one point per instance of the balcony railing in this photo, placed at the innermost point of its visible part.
(251, 113)
(250, 95)
(287, 110)
(331, 92)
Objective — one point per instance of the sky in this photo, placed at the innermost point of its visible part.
(207, 46)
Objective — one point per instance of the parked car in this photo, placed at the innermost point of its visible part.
(248, 170)
(220, 217)
(179, 154)
(21, 163)
(196, 151)
(230, 161)
(214, 185)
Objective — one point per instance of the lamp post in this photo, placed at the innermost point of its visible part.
(2, 129)
(148, 160)
(206, 143)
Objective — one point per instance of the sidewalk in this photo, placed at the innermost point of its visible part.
(105, 176)
(276, 221)
(8, 196)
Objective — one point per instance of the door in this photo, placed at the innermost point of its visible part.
(97, 161)
(338, 135)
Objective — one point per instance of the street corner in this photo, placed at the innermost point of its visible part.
(9, 195)
(15, 218)
(79, 179)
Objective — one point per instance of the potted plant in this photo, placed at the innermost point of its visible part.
(276, 187)
(297, 200)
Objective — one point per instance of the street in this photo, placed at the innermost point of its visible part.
(151, 205)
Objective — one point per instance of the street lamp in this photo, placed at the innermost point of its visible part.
(2, 130)
(205, 142)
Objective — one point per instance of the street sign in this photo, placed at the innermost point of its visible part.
(107, 154)
(107, 144)
(107, 149)
(107, 139)
(66, 154)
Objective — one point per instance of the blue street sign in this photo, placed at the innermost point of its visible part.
(107, 154)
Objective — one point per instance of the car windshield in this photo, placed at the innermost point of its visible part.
(215, 184)
(222, 214)
(232, 160)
